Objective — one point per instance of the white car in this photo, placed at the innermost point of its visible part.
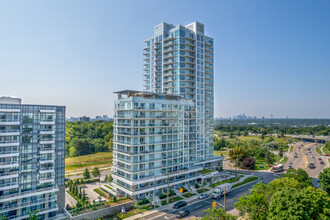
(203, 195)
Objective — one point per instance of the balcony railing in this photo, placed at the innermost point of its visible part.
(9, 152)
(9, 173)
(29, 192)
(29, 203)
(9, 120)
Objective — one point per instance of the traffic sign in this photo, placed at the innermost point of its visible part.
(123, 211)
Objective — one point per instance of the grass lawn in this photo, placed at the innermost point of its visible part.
(219, 153)
(326, 151)
(103, 159)
(206, 171)
(260, 165)
(202, 190)
(284, 160)
(318, 150)
(247, 180)
(101, 193)
(231, 180)
(108, 187)
(283, 140)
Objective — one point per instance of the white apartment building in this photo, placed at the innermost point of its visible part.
(163, 136)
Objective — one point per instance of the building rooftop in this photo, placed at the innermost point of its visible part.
(10, 100)
(144, 94)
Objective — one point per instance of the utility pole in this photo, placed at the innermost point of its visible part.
(224, 207)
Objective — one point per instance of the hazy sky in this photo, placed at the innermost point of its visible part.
(271, 56)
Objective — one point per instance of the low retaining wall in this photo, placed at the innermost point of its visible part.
(99, 213)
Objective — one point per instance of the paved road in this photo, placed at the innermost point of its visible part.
(305, 157)
(302, 161)
(197, 206)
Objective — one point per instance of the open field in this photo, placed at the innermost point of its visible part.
(74, 164)
(219, 153)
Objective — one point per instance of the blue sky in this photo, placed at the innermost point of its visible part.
(271, 56)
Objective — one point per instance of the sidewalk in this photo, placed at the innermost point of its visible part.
(193, 198)
(81, 172)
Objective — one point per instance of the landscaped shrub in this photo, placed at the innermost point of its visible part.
(162, 196)
(143, 202)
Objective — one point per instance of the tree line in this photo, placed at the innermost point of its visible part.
(290, 197)
(82, 138)
(280, 130)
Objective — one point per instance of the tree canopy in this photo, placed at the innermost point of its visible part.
(82, 138)
(289, 197)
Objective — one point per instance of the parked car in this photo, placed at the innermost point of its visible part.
(179, 204)
(290, 166)
(320, 158)
(203, 195)
(322, 162)
(326, 155)
(312, 156)
(311, 165)
(182, 213)
(290, 162)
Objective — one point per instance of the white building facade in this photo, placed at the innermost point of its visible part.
(163, 136)
(179, 60)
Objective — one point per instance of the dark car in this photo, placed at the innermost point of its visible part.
(182, 213)
(179, 204)
(322, 162)
(311, 165)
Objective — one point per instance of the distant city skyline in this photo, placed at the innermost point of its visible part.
(272, 57)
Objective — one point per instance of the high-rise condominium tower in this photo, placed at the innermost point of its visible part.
(31, 159)
(163, 136)
(179, 60)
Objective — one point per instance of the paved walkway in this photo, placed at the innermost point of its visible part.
(191, 201)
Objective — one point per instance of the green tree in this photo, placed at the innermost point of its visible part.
(237, 154)
(291, 203)
(110, 179)
(300, 175)
(73, 152)
(96, 172)
(324, 178)
(3, 217)
(33, 215)
(262, 136)
(84, 196)
(217, 214)
(106, 178)
(255, 205)
(86, 174)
